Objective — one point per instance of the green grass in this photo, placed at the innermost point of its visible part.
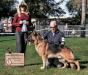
(33, 61)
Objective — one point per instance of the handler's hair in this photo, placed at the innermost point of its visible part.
(23, 5)
(54, 22)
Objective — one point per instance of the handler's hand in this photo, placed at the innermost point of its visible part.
(20, 22)
(62, 45)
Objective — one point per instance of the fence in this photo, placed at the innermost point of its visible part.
(69, 31)
(42, 26)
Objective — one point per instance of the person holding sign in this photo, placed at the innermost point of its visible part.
(22, 22)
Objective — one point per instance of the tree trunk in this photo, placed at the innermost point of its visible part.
(83, 16)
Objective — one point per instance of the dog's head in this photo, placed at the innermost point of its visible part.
(33, 37)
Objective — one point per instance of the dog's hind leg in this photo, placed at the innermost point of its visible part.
(77, 64)
(64, 65)
(61, 60)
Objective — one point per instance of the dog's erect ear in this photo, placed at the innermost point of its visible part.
(35, 33)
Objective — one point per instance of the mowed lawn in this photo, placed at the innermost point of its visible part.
(33, 61)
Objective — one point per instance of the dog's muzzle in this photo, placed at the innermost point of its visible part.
(29, 38)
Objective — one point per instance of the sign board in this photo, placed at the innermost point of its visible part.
(14, 59)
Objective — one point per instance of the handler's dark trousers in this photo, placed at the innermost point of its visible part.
(54, 61)
(21, 41)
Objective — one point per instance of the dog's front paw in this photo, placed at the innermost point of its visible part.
(42, 68)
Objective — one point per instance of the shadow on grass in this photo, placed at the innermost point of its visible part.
(83, 67)
(83, 64)
(32, 64)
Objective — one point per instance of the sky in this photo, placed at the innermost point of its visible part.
(20, 1)
(63, 6)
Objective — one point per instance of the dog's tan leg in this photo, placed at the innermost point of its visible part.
(71, 65)
(47, 63)
(63, 62)
(77, 64)
(44, 62)
(65, 65)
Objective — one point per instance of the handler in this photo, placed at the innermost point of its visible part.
(22, 22)
(56, 40)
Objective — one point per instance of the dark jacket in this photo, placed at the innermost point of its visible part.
(54, 40)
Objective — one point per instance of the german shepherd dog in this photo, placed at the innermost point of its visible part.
(42, 48)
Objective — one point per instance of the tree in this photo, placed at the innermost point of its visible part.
(83, 16)
(5, 6)
(80, 6)
(44, 8)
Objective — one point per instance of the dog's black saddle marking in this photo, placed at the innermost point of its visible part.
(54, 48)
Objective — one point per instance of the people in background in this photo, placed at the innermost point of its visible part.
(1, 25)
